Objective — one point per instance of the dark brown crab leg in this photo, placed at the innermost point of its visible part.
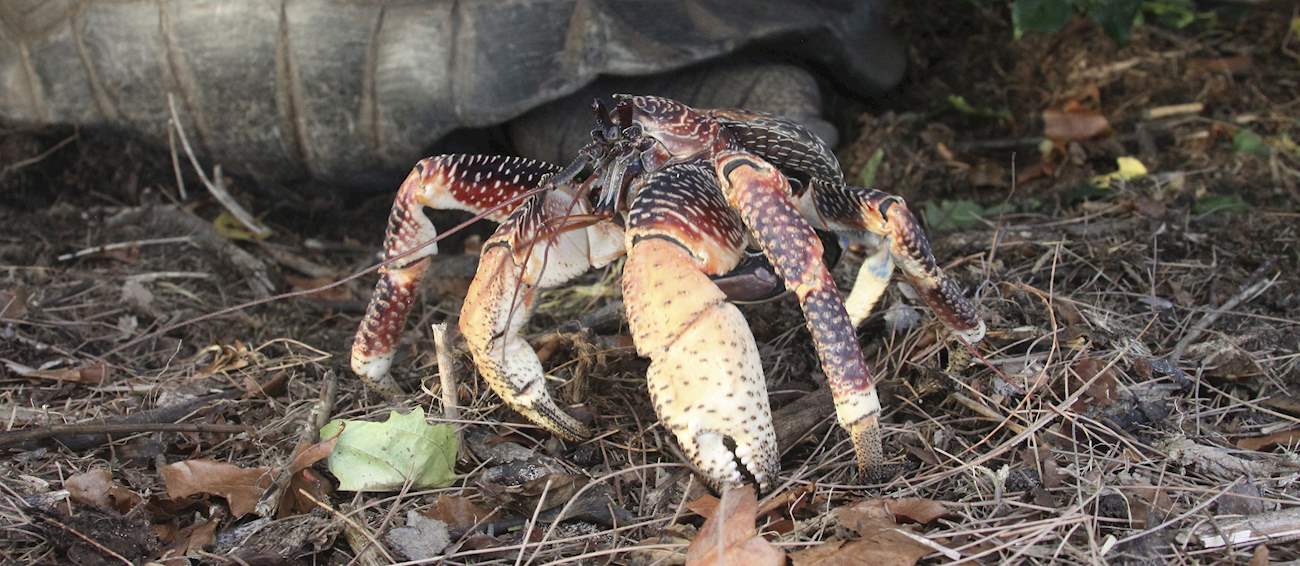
(830, 204)
(761, 194)
(473, 183)
(903, 242)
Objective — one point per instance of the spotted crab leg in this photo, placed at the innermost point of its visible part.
(520, 259)
(473, 183)
(705, 376)
(828, 203)
(761, 195)
(903, 243)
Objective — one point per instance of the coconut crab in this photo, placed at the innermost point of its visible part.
(709, 206)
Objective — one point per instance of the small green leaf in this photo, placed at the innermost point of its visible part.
(946, 215)
(1220, 203)
(873, 166)
(1116, 17)
(1295, 26)
(1247, 141)
(1040, 15)
(374, 456)
(959, 103)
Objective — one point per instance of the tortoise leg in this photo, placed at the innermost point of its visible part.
(473, 183)
(868, 212)
(761, 194)
(517, 262)
(705, 376)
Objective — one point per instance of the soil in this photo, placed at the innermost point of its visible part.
(1140, 378)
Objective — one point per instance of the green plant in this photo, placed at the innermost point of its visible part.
(1116, 17)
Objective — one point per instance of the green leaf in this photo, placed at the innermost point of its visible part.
(1116, 17)
(373, 456)
(946, 215)
(873, 166)
(1247, 141)
(1040, 15)
(960, 104)
(1176, 14)
(1220, 203)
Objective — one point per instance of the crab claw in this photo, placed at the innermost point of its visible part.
(497, 307)
(705, 376)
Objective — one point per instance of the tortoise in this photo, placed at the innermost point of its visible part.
(353, 92)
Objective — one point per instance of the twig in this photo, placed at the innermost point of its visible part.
(124, 245)
(89, 439)
(176, 161)
(442, 337)
(1254, 285)
(18, 436)
(10, 168)
(1173, 110)
(1274, 527)
(217, 187)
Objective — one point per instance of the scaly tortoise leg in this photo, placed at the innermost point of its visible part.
(761, 194)
(473, 183)
(520, 259)
(705, 376)
(857, 211)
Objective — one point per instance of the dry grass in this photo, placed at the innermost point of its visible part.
(1087, 427)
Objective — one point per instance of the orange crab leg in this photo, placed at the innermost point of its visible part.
(705, 376)
(514, 266)
(473, 183)
(761, 194)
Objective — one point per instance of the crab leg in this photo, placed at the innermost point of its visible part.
(705, 376)
(519, 260)
(761, 194)
(474, 183)
(872, 212)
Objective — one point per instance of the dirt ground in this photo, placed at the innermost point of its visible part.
(1137, 395)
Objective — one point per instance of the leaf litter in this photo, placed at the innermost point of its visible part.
(1072, 437)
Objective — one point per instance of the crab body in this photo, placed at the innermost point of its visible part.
(710, 207)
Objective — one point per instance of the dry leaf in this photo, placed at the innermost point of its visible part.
(94, 374)
(1238, 65)
(1073, 125)
(704, 505)
(295, 500)
(1268, 441)
(96, 489)
(881, 543)
(459, 513)
(13, 304)
(1104, 390)
(729, 537)
(916, 509)
(192, 539)
(241, 487)
(888, 549)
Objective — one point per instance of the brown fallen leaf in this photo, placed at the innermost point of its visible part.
(190, 540)
(730, 537)
(1268, 441)
(1238, 65)
(97, 489)
(241, 487)
(13, 303)
(94, 374)
(1104, 390)
(459, 513)
(916, 510)
(881, 541)
(1073, 125)
(304, 486)
(883, 548)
